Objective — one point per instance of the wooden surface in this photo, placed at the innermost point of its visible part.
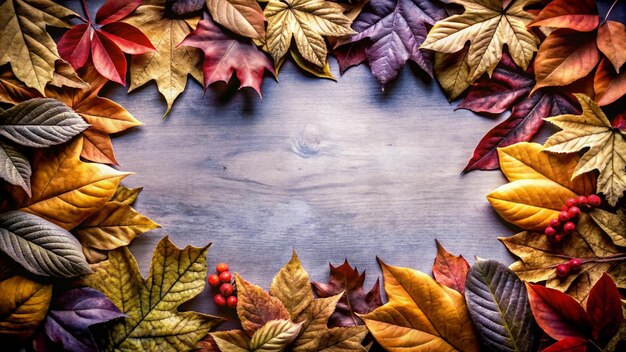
(332, 170)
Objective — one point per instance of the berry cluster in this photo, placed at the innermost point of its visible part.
(222, 281)
(571, 266)
(565, 223)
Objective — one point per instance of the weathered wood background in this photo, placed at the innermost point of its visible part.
(333, 170)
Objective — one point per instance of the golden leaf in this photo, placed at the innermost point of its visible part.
(24, 42)
(66, 190)
(169, 65)
(291, 286)
(306, 21)
(97, 147)
(126, 195)
(452, 72)
(256, 307)
(314, 319)
(230, 341)
(607, 146)
(243, 17)
(23, 306)
(421, 315)
(274, 336)
(153, 321)
(487, 25)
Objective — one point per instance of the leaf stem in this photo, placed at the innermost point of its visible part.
(86, 10)
(609, 11)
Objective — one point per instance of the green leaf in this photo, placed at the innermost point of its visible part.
(498, 304)
(15, 167)
(40, 246)
(40, 122)
(274, 336)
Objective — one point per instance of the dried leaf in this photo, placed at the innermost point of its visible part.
(612, 224)
(23, 306)
(243, 17)
(450, 270)
(230, 341)
(153, 321)
(97, 147)
(41, 247)
(256, 307)
(452, 72)
(314, 320)
(274, 336)
(184, 7)
(579, 15)
(15, 167)
(607, 147)
(612, 42)
(608, 84)
(126, 195)
(292, 287)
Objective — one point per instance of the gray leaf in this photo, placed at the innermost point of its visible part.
(498, 304)
(40, 122)
(15, 167)
(40, 246)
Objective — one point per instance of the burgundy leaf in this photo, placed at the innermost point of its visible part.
(450, 270)
(346, 279)
(72, 314)
(351, 54)
(115, 10)
(396, 29)
(619, 121)
(128, 38)
(108, 58)
(568, 344)
(74, 45)
(605, 310)
(224, 54)
(183, 7)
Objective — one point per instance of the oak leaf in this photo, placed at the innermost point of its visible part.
(243, 17)
(607, 146)
(24, 42)
(152, 320)
(487, 25)
(421, 315)
(305, 21)
(450, 270)
(23, 306)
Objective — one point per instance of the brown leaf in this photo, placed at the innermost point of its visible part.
(612, 42)
(292, 287)
(97, 147)
(450, 270)
(256, 307)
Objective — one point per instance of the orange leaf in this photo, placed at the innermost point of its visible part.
(580, 15)
(450, 270)
(608, 84)
(612, 42)
(97, 147)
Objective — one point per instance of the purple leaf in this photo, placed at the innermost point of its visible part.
(72, 314)
(183, 7)
(396, 29)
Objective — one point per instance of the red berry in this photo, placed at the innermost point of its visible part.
(573, 212)
(231, 302)
(570, 202)
(214, 280)
(594, 200)
(550, 231)
(219, 300)
(562, 270)
(557, 238)
(582, 201)
(226, 289)
(575, 264)
(564, 208)
(221, 267)
(555, 223)
(563, 217)
(225, 276)
(569, 227)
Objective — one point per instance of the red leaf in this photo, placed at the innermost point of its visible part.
(568, 344)
(115, 10)
(619, 121)
(346, 279)
(558, 314)
(351, 54)
(608, 84)
(450, 270)
(605, 309)
(128, 38)
(74, 45)
(580, 15)
(108, 59)
(224, 55)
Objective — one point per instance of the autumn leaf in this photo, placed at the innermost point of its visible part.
(540, 183)
(452, 72)
(487, 25)
(292, 287)
(243, 17)
(14, 167)
(12, 90)
(612, 42)
(305, 21)
(613, 225)
(349, 55)
(184, 7)
(73, 312)
(608, 84)
(395, 29)
(23, 306)
(225, 55)
(347, 280)
(170, 64)
(607, 147)
(152, 320)
(256, 307)
(410, 321)
(450, 270)
(106, 41)
(24, 42)
(579, 15)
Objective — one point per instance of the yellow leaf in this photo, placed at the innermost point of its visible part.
(487, 25)
(291, 286)
(421, 315)
(306, 21)
(24, 42)
(243, 17)
(256, 307)
(452, 72)
(23, 306)
(153, 322)
(66, 190)
(274, 336)
(231, 341)
(314, 321)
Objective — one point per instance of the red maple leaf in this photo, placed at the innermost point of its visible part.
(105, 40)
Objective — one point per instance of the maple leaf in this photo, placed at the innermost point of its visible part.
(407, 321)
(152, 320)
(23, 306)
(346, 280)
(396, 29)
(487, 25)
(224, 55)
(607, 146)
(24, 42)
(540, 183)
(305, 21)
(450, 270)
(170, 64)
(105, 40)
